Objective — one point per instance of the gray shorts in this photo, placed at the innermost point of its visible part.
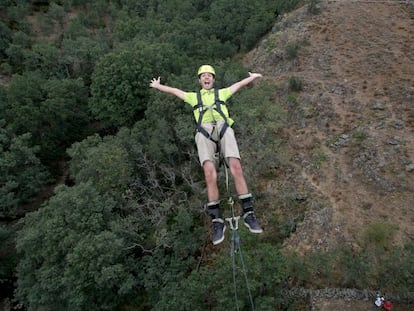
(207, 149)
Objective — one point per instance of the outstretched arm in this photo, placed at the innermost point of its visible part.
(238, 85)
(156, 84)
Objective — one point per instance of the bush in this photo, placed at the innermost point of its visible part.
(295, 84)
(378, 235)
(292, 50)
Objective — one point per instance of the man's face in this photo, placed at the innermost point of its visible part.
(206, 80)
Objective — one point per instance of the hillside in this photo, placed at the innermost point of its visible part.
(351, 127)
(355, 112)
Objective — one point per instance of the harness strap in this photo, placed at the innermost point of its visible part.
(217, 107)
(218, 103)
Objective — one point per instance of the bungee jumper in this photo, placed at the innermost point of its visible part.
(215, 135)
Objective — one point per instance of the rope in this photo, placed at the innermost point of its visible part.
(235, 243)
(236, 248)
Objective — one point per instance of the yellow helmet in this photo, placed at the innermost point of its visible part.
(206, 69)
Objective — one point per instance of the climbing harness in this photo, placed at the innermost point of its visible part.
(203, 108)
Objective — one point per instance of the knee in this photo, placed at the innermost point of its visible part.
(210, 171)
(235, 167)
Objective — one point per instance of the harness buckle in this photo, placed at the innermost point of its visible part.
(233, 222)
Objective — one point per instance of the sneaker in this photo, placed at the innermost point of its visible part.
(251, 222)
(218, 231)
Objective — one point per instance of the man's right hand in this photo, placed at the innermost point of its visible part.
(155, 82)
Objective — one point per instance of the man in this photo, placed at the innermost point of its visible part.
(214, 132)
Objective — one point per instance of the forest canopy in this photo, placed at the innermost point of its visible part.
(126, 223)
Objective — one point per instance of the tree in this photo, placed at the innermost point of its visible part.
(105, 163)
(5, 39)
(21, 42)
(245, 20)
(21, 173)
(45, 58)
(80, 54)
(212, 287)
(71, 257)
(120, 88)
(53, 111)
(8, 259)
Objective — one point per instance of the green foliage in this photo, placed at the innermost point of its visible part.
(53, 111)
(368, 268)
(120, 88)
(357, 269)
(258, 120)
(56, 13)
(80, 55)
(397, 269)
(287, 6)
(5, 39)
(45, 58)
(319, 158)
(21, 173)
(245, 20)
(104, 163)
(379, 235)
(71, 259)
(358, 137)
(173, 253)
(164, 59)
(292, 50)
(163, 233)
(8, 258)
(197, 28)
(15, 50)
(313, 6)
(16, 12)
(295, 84)
(291, 211)
(297, 270)
(211, 288)
(167, 132)
(75, 29)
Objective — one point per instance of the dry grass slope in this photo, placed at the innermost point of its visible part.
(351, 127)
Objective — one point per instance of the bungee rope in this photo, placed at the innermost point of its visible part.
(235, 239)
(236, 247)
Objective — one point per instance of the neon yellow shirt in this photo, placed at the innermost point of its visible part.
(207, 97)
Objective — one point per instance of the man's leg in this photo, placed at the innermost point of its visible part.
(210, 175)
(238, 176)
(213, 205)
(245, 197)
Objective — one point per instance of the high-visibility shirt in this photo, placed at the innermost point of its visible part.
(207, 97)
